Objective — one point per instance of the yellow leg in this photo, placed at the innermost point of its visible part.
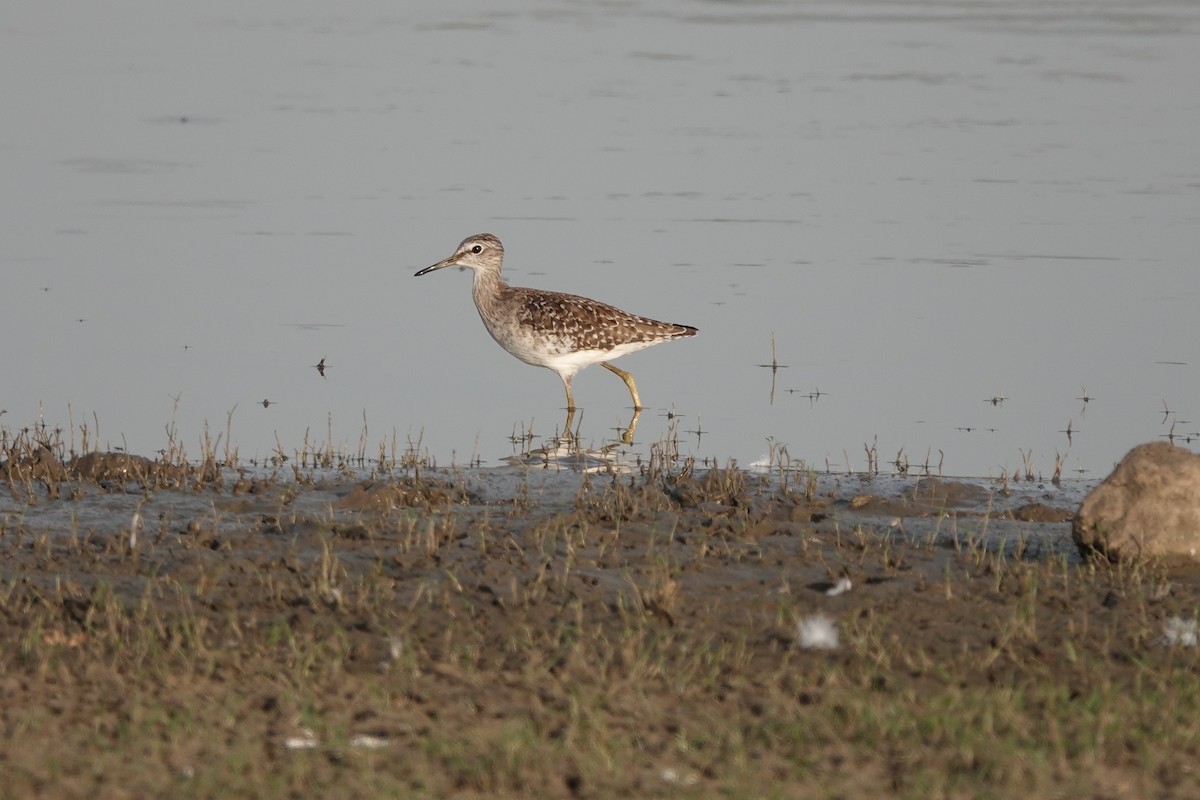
(570, 397)
(625, 376)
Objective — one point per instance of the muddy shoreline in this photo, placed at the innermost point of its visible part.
(516, 631)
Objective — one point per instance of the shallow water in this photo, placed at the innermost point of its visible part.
(926, 205)
(1025, 518)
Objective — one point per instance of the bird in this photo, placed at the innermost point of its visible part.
(558, 331)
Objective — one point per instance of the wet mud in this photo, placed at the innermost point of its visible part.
(530, 631)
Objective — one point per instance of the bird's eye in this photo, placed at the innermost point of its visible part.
(477, 249)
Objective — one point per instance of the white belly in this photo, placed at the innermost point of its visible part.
(556, 353)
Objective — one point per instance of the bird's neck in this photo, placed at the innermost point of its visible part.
(487, 288)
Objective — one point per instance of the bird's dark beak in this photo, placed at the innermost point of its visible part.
(446, 262)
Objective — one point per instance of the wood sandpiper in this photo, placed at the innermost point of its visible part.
(562, 332)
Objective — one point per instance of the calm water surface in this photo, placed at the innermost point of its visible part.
(924, 206)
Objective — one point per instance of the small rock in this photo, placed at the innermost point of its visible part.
(368, 742)
(817, 632)
(305, 741)
(1178, 631)
(841, 587)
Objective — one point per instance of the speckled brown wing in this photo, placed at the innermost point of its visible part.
(590, 324)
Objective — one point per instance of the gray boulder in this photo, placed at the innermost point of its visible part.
(1149, 507)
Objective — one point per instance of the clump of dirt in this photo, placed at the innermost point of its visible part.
(937, 496)
(118, 470)
(35, 465)
(27, 466)
(389, 495)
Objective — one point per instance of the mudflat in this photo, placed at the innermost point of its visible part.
(362, 631)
